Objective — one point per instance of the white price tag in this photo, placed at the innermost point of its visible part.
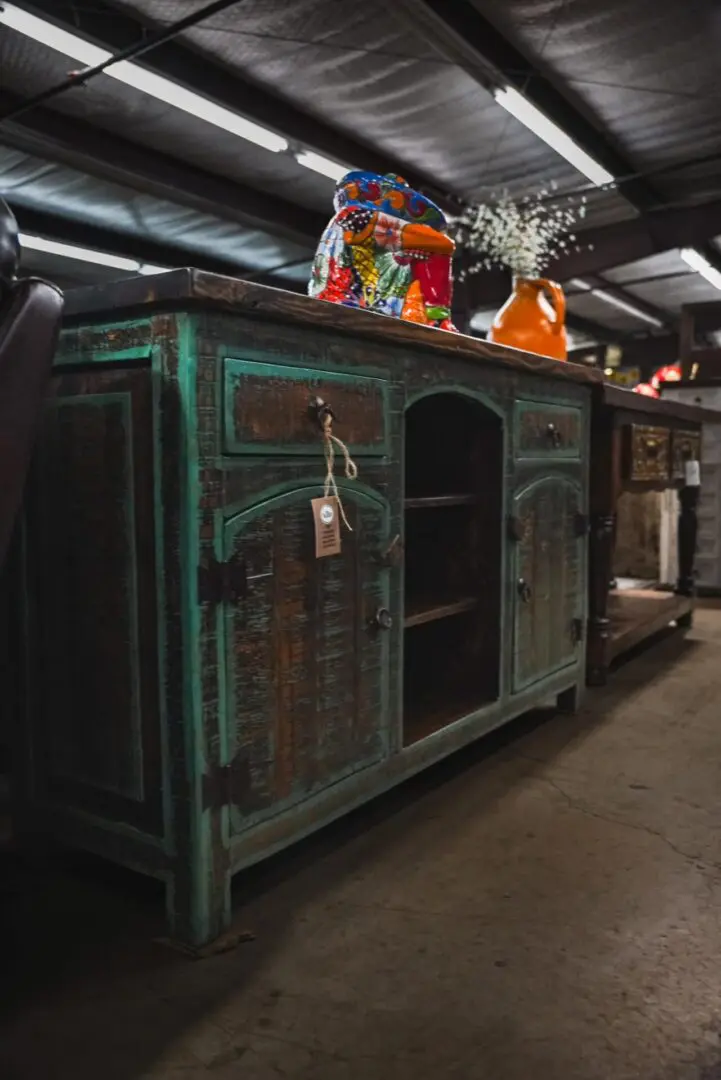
(693, 474)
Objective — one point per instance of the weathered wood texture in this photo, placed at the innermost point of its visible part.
(550, 583)
(638, 535)
(211, 690)
(306, 678)
(95, 598)
(198, 290)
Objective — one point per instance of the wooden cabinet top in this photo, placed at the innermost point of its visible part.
(628, 407)
(190, 289)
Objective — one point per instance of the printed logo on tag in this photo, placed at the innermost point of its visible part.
(327, 526)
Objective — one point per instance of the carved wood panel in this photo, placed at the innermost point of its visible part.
(648, 457)
(306, 672)
(92, 559)
(549, 580)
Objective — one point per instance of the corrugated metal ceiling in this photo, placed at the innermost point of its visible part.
(644, 72)
(39, 185)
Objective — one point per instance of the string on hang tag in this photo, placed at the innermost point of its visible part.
(330, 441)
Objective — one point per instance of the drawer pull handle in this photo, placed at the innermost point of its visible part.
(555, 437)
(524, 591)
(320, 410)
(382, 620)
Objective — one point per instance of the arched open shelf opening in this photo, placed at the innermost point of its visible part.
(453, 542)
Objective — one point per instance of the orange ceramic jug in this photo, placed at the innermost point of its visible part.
(527, 320)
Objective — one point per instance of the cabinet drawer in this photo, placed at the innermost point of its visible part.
(649, 454)
(547, 430)
(685, 446)
(268, 409)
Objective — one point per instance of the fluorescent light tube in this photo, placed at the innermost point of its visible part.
(140, 78)
(617, 302)
(702, 266)
(53, 36)
(520, 107)
(320, 164)
(148, 268)
(80, 254)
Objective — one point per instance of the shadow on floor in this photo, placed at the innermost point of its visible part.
(83, 933)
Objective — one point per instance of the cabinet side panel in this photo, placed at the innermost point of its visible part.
(92, 575)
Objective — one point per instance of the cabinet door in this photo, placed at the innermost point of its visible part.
(307, 669)
(548, 579)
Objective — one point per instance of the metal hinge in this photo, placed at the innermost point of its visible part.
(226, 785)
(222, 582)
(580, 524)
(515, 528)
(577, 631)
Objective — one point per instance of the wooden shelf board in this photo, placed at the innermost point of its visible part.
(423, 719)
(427, 610)
(433, 502)
(637, 614)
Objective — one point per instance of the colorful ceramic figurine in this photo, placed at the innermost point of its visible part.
(386, 249)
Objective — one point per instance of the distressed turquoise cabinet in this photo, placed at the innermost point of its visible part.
(549, 570)
(200, 689)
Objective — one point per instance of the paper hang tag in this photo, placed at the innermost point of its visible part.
(693, 474)
(326, 520)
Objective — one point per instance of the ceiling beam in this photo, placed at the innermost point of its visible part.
(117, 29)
(591, 329)
(140, 248)
(106, 156)
(599, 282)
(459, 30)
(711, 254)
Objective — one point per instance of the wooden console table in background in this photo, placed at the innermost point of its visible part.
(706, 393)
(638, 444)
(699, 360)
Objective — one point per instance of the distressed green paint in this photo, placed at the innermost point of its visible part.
(314, 382)
(158, 375)
(97, 345)
(204, 920)
(255, 704)
(544, 560)
(329, 361)
(316, 474)
(551, 413)
(226, 487)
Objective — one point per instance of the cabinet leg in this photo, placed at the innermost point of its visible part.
(597, 664)
(597, 676)
(200, 914)
(570, 700)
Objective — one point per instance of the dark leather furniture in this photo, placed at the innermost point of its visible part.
(30, 315)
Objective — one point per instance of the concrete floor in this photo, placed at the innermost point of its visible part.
(545, 907)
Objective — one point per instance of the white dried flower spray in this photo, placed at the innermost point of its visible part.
(523, 237)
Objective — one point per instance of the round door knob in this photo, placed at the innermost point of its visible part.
(382, 620)
(524, 591)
